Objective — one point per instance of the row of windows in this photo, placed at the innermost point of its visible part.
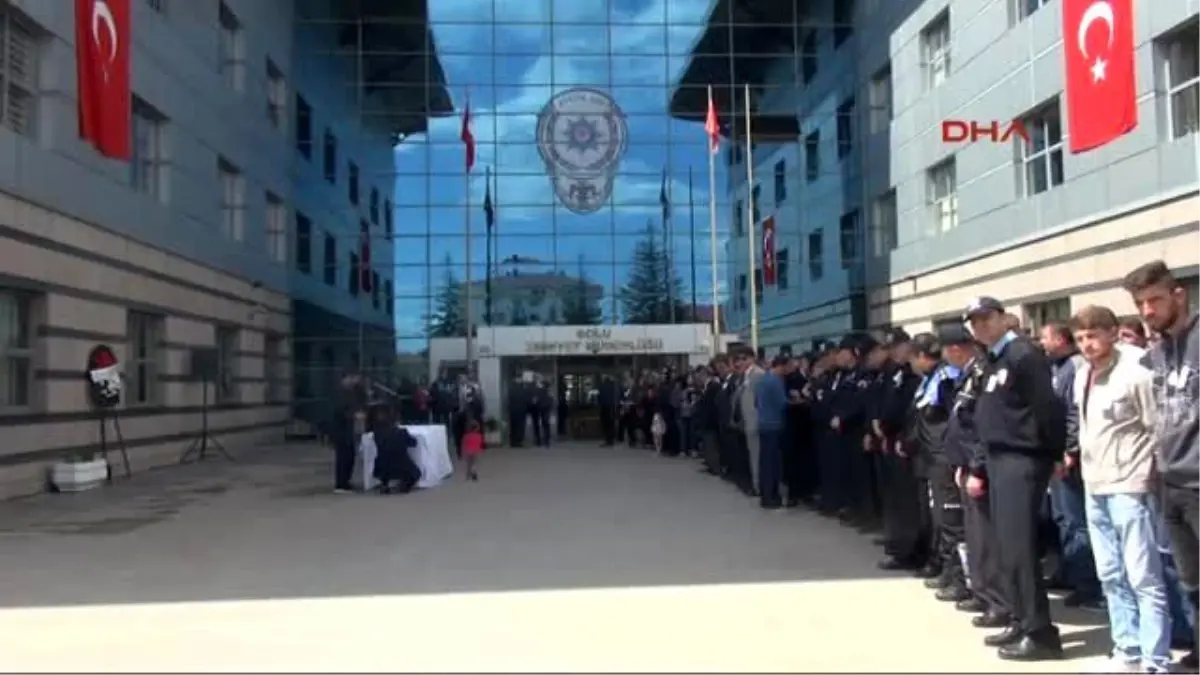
(361, 279)
(144, 361)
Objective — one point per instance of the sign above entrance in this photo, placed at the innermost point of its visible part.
(620, 340)
(595, 347)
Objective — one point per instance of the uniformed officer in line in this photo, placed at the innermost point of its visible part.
(707, 417)
(942, 470)
(814, 395)
(725, 429)
(850, 422)
(902, 504)
(830, 445)
(1023, 427)
(799, 467)
(966, 452)
(875, 377)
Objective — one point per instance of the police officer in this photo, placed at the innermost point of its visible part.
(902, 505)
(1023, 428)
(724, 408)
(849, 423)
(966, 452)
(798, 466)
(875, 379)
(825, 407)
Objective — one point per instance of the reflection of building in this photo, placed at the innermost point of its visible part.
(533, 299)
(878, 221)
(233, 225)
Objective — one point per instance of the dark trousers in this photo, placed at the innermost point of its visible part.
(983, 562)
(857, 477)
(608, 425)
(948, 520)
(1016, 484)
(830, 489)
(541, 426)
(770, 466)
(516, 428)
(1179, 507)
(742, 474)
(710, 442)
(791, 449)
(343, 463)
(1078, 569)
(729, 447)
(906, 513)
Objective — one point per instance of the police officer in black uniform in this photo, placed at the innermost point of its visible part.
(1023, 428)
(823, 409)
(875, 377)
(730, 436)
(850, 422)
(902, 537)
(798, 466)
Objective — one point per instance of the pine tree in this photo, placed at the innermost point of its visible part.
(646, 296)
(448, 319)
(579, 305)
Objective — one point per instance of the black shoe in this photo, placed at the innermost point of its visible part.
(473, 477)
(971, 605)
(895, 565)
(1084, 600)
(1046, 646)
(792, 504)
(936, 583)
(953, 593)
(879, 541)
(1010, 635)
(1190, 661)
(929, 571)
(990, 619)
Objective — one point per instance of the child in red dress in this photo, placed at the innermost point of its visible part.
(472, 445)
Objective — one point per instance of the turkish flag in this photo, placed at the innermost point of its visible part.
(468, 137)
(1101, 81)
(711, 126)
(102, 44)
(768, 252)
(364, 262)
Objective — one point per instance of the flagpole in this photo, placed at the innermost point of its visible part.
(692, 235)
(469, 292)
(487, 291)
(752, 240)
(712, 236)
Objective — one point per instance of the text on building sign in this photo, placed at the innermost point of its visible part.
(971, 131)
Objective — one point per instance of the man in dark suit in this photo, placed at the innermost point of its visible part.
(607, 398)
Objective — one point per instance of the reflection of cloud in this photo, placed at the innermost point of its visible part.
(511, 58)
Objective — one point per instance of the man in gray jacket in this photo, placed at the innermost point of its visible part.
(746, 414)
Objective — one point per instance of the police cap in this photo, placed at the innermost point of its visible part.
(927, 344)
(954, 334)
(981, 306)
(895, 336)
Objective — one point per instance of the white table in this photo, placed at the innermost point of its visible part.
(431, 455)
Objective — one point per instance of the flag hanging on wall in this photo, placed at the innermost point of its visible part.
(102, 45)
(664, 199)
(489, 211)
(364, 260)
(1101, 79)
(768, 252)
(468, 137)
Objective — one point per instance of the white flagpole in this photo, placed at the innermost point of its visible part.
(468, 293)
(712, 236)
(752, 240)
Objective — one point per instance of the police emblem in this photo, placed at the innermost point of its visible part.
(582, 135)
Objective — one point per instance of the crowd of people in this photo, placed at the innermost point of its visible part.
(978, 452)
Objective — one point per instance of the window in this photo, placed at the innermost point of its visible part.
(879, 97)
(227, 365)
(843, 21)
(374, 289)
(387, 218)
(1042, 155)
(304, 122)
(276, 229)
(1182, 64)
(848, 239)
(303, 244)
(935, 51)
(330, 157)
(233, 49)
(943, 197)
(816, 255)
(273, 365)
(145, 357)
(352, 183)
(845, 127)
(373, 206)
(330, 262)
(780, 182)
(739, 219)
(1038, 314)
(741, 292)
(147, 167)
(389, 298)
(755, 199)
(808, 56)
(758, 286)
(233, 201)
(355, 275)
(18, 74)
(1021, 9)
(812, 156)
(781, 269)
(16, 349)
(884, 224)
(276, 96)
(1191, 286)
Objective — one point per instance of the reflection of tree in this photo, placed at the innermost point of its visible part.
(581, 307)
(648, 292)
(518, 314)
(447, 319)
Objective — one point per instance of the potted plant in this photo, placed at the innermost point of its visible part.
(493, 432)
(78, 472)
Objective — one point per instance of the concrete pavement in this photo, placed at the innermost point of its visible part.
(575, 558)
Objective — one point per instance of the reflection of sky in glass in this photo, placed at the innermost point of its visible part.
(512, 57)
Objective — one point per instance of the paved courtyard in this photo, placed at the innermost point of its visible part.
(575, 558)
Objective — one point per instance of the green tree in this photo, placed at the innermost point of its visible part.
(646, 295)
(580, 306)
(448, 319)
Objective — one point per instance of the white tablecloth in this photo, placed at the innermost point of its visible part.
(431, 455)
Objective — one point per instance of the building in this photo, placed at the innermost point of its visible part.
(250, 154)
(520, 299)
(879, 221)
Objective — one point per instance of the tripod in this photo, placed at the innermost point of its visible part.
(104, 414)
(200, 445)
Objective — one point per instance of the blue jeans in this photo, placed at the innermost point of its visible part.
(1070, 517)
(1125, 531)
(770, 466)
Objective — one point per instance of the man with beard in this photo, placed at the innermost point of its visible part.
(1023, 427)
(1175, 359)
